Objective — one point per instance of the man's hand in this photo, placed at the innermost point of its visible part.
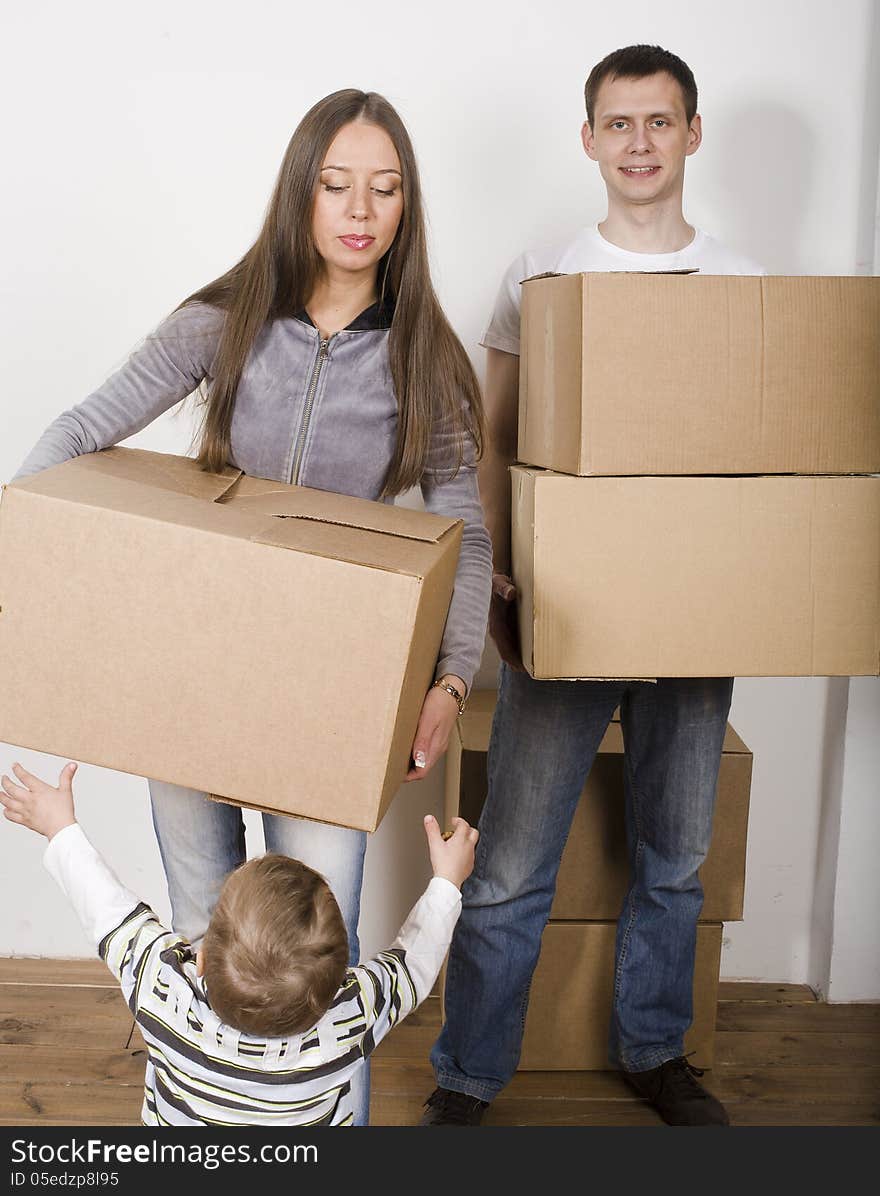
(502, 402)
(37, 805)
(452, 858)
(439, 712)
(503, 626)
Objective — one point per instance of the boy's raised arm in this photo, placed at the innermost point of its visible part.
(405, 974)
(101, 902)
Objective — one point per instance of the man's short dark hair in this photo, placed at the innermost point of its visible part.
(637, 62)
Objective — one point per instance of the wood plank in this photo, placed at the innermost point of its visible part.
(126, 1069)
(751, 1113)
(56, 971)
(773, 1048)
(797, 1086)
(392, 1075)
(410, 1042)
(799, 1018)
(45, 1103)
(407, 1111)
(788, 1083)
(42, 1122)
(751, 990)
(20, 1065)
(427, 1014)
(52, 1015)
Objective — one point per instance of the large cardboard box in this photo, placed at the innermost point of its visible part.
(594, 873)
(697, 577)
(265, 643)
(697, 374)
(570, 1002)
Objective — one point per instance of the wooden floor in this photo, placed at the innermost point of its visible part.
(782, 1058)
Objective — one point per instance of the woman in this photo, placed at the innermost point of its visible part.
(328, 363)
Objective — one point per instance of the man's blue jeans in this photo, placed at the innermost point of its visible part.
(545, 736)
(201, 841)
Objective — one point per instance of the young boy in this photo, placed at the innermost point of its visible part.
(265, 1024)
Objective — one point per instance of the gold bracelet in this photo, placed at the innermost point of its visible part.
(450, 689)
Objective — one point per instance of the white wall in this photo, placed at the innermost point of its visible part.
(139, 159)
(852, 972)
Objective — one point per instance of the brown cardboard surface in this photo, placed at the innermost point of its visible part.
(570, 1002)
(637, 374)
(697, 577)
(154, 624)
(594, 873)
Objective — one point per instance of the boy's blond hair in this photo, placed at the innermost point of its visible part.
(276, 948)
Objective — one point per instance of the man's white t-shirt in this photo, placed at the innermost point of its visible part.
(589, 251)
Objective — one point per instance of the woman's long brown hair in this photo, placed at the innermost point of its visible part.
(434, 380)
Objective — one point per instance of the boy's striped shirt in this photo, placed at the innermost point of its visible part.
(202, 1072)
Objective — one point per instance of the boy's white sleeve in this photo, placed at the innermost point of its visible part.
(400, 978)
(121, 927)
(100, 900)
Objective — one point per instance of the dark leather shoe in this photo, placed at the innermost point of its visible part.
(445, 1107)
(673, 1090)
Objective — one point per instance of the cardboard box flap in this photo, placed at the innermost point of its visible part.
(249, 495)
(261, 809)
(475, 726)
(556, 274)
(181, 475)
(734, 743)
(349, 542)
(325, 506)
(109, 498)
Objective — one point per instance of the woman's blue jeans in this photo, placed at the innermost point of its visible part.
(201, 841)
(545, 736)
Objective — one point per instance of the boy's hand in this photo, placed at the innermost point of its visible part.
(36, 804)
(452, 858)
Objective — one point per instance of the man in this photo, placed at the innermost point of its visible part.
(641, 126)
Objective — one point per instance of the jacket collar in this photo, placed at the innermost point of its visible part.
(377, 316)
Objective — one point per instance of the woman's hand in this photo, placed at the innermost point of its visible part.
(439, 712)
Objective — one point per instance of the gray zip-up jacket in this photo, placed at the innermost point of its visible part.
(320, 413)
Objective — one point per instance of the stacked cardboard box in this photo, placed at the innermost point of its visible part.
(686, 504)
(576, 967)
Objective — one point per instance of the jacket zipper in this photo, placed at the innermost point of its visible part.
(307, 412)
